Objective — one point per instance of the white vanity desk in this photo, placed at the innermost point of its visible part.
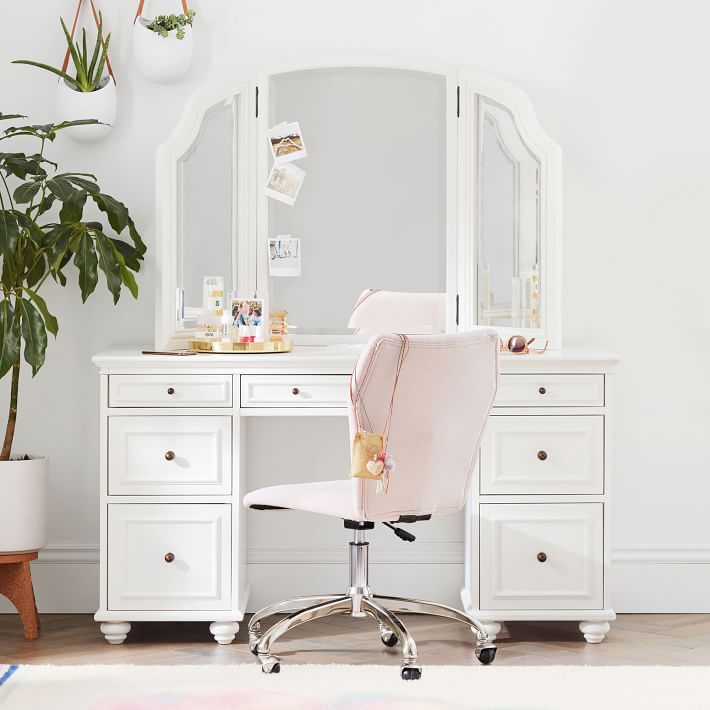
(173, 450)
(472, 212)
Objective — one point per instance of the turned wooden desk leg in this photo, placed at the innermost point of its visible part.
(16, 585)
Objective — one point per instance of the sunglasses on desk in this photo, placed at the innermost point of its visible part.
(520, 345)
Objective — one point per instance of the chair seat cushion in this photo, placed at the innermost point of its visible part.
(336, 498)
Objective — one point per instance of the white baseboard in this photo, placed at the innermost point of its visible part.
(642, 580)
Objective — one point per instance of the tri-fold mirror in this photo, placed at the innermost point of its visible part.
(417, 178)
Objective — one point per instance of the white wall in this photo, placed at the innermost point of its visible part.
(622, 86)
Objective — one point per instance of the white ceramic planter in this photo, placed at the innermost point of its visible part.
(24, 490)
(161, 59)
(75, 105)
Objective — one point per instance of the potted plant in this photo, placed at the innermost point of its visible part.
(90, 93)
(162, 47)
(38, 243)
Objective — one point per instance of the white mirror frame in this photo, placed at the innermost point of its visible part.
(250, 221)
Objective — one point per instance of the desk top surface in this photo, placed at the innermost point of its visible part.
(331, 358)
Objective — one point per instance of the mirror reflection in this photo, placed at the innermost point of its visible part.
(206, 206)
(509, 222)
(371, 212)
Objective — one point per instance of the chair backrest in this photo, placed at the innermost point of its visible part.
(397, 311)
(443, 397)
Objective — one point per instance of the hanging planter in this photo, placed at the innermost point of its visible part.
(75, 105)
(89, 95)
(162, 47)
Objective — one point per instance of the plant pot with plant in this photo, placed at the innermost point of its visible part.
(43, 234)
(162, 47)
(89, 93)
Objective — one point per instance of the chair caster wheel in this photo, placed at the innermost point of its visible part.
(388, 639)
(276, 668)
(253, 650)
(411, 672)
(486, 654)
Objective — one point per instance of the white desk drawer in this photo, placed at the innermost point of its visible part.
(543, 455)
(169, 557)
(550, 390)
(170, 391)
(542, 556)
(170, 455)
(295, 390)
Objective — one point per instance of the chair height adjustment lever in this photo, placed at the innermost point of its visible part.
(401, 533)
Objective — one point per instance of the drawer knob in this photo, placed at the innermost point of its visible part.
(295, 391)
(169, 455)
(542, 455)
(171, 390)
(542, 390)
(541, 557)
(169, 557)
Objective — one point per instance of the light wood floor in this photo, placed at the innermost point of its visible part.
(635, 639)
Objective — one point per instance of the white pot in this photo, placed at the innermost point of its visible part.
(74, 105)
(24, 489)
(161, 59)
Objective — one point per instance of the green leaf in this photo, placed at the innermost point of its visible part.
(49, 320)
(83, 183)
(80, 68)
(116, 211)
(10, 333)
(38, 270)
(73, 208)
(137, 241)
(58, 242)
(129, 280)
(21, 165)
(75, 84)
(109, 264)
(33, 230)
(9, 116)
(46, 204)
(126, 276)
(85, 260)
(9, 233)
(26, 192)
(61, 188)
(129, 254)
(34, 334)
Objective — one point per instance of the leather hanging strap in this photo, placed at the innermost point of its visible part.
(142, 2)
(65, 64)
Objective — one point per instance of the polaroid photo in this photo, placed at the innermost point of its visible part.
(285, 183)
(247, 311)
(286, 142)
(284, 256)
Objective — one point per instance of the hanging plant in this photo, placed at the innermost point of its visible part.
(89, 93)
(162, 47)
(165, 24)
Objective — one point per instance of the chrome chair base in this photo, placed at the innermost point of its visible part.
(358, 601)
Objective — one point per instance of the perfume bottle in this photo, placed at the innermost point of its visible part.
(212, 300)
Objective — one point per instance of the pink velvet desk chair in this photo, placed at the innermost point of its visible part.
(444, 392)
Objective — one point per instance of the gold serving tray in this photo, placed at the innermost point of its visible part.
(213, 346)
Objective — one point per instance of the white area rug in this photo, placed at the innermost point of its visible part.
(311, 687)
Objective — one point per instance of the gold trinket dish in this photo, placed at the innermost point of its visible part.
(203, 345)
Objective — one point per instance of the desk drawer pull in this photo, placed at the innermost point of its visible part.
(169, 557)
(541, 557)
(542, 390)
(169, 455)
(295, 391)
(171, 390)
(542, 455)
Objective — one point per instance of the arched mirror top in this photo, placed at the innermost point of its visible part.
(419, 177)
